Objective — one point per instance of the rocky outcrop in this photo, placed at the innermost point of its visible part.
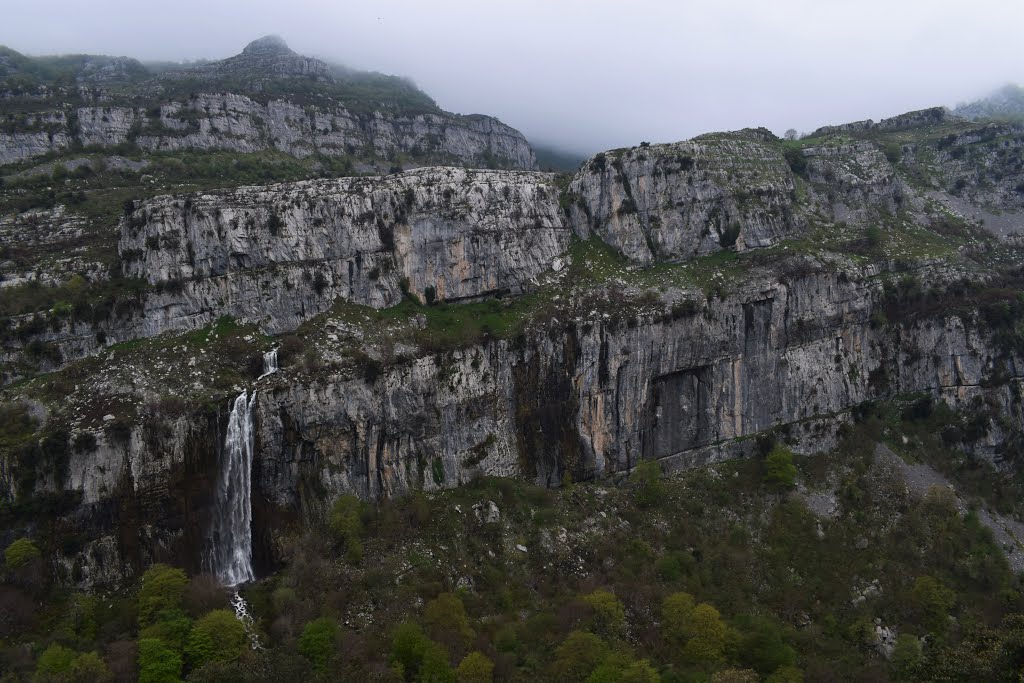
(282, 253)
(983, 164)
(858, 180)
(912, 119)
(15, 147)
(671, 202)
(33, 135)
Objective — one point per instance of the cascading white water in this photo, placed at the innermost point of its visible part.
(230, 543)
(243, 615)
(269, 363)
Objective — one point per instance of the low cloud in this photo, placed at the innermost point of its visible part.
(590, 75)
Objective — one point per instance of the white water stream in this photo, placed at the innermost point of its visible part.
(269, 363)
(229, 555)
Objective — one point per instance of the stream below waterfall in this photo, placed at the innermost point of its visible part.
(243, 614)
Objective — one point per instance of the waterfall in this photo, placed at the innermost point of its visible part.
(230, 542)
(269, 363)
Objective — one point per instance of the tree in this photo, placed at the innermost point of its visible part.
(90, 668)
(445, 617)
(906, 656)
(676, 614)
(217, 637)
(20, 553)
(646, 479)
(577, 656)
(640, 672)
(791, 134)
(786, 674)
(475, 668)
(163, 588)
(157, 662)
(417, 657)
(53, 664)
(317, 641)
(762, 648)
(933, 602)
(435, 667)
(347, 525)
(172, 626)
(707, 645)
(609, 615)
(622, 668)
(780, 471)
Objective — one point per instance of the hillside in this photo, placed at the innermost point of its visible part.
(733, 408)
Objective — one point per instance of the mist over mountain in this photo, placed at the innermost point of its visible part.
(1006, 102)
(595, 76)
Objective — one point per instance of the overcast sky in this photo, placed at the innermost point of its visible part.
(588, 74)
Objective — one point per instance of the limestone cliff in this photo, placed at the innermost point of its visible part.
(266, 98)
(670, 302)
(668, 202)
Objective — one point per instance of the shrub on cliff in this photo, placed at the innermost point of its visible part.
(646, 480)
(20, 553)
(347, 526)
(796, 160)
(933, 601)
(780, 472)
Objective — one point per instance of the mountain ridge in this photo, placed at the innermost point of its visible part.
(266, 97)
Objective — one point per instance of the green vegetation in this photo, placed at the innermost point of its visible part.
(347, 525)
(722, 573)
(20, 553)
(779, 469)
(158, 663)
(317, 642)
(217, 637)
(162, 590)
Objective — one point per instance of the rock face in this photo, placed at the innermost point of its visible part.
(688, 377)
(587, 398)
(912, 119)
(280, 254)
(270, 98)
(239, 124)
(982, 164)
(859, 180)
(598, 397)
(37, 134)
(670, 202)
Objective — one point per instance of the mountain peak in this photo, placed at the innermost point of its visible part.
(270, 44)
